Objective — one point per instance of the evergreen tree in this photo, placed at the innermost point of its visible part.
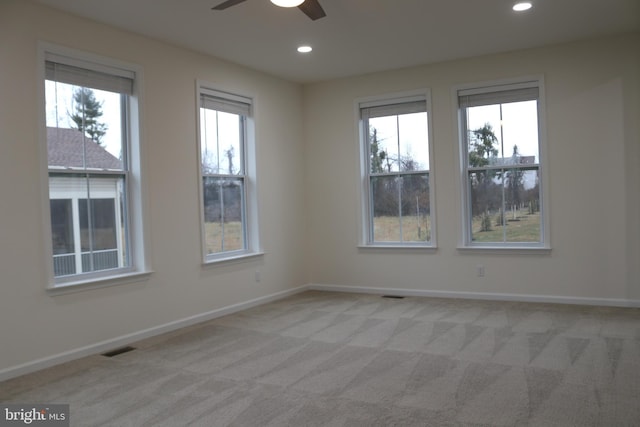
(377, 156)
(485, 192)
(87, 112)
(514, 182)
(383, 188)
(482, 150)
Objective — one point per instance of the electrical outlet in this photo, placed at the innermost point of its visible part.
(257, 276)
(480, 270)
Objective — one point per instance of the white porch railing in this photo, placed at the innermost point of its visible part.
(65, 264)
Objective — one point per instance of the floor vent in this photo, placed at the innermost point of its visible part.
(118, 351)
(393, 296)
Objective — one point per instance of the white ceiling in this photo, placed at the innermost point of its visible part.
(359, 36)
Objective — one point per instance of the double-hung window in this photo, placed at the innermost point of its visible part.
(227, 207)
(89, 113)
(397, 202)
(501, 165)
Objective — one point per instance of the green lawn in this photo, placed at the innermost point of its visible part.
(525, 228)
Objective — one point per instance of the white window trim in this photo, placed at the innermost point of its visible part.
(140, 267)
(253, 247)
(364, 219)
(464, 239)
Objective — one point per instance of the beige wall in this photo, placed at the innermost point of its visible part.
(308, 190)
(592, 115)
(34, 325)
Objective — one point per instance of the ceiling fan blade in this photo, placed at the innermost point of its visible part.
(312, 9)
(226, 4)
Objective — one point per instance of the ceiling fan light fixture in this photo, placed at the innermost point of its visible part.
(287, 3)
(522, 6)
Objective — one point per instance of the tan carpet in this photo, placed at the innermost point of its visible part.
(333, 359)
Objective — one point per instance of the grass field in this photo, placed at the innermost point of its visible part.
(214, 232)
(414, 229)
(525, 228)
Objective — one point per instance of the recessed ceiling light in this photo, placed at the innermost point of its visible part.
(304, 49)
(287, 3)
(522, 6)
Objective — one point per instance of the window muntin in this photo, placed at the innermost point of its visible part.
(223, 139)
(501, 162)
(87, 107)
(395, 135)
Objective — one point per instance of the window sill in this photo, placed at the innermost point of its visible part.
(97, 283)
(502, 250)
(232, 259)
(397, 248)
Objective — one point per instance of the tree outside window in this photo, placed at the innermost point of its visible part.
(502, 166)
(396, 144)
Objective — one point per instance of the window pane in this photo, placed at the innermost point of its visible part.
(413, 142)
(97, 224)
(98, 234)
(401, 208)
(61, 226)
(483, 138)
(522, 206)
(385, 196)
(221, 142)
(223, 214)
(416, 210)
(84, 127)
(62, 237)
(486, 205)
(503, 134)
(505, 206)
(520, 129)
(383, 142)
(399, 143)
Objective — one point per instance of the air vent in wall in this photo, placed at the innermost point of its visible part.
(118, 351)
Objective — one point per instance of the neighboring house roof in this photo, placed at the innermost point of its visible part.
(520, 160)
(70, 148)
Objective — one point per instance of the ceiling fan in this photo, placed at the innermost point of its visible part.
(311, 8)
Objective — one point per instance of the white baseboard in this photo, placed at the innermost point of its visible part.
(100, 347)
(609, 302)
